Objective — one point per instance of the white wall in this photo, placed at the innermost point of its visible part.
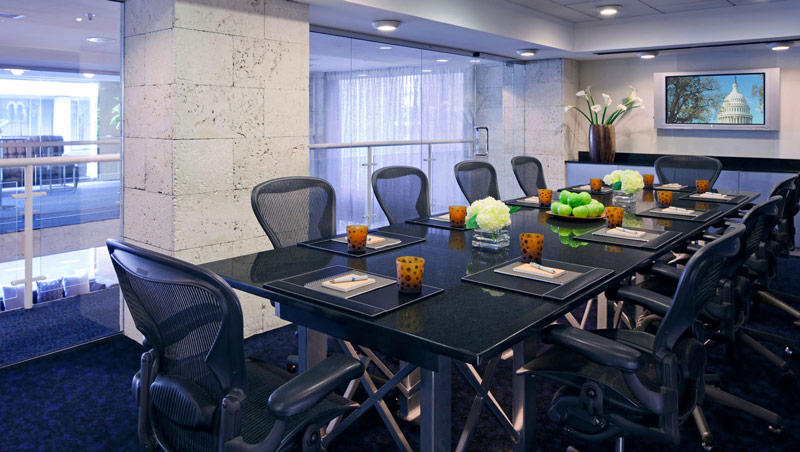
(636, 133)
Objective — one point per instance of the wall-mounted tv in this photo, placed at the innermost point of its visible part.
(718, 100)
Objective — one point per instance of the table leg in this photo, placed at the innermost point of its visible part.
(435, 412)
(409, 406)
(524, 398)
(312, 347)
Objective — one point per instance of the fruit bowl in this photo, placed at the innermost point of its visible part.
(574, 218)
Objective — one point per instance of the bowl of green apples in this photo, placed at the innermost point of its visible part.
(577, 207)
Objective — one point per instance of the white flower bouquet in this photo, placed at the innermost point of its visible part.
(489, 214)
(628, 181)
(607, 117)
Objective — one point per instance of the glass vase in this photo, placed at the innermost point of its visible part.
(625, 200)
(491, 240)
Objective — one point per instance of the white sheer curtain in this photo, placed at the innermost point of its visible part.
(392, 104)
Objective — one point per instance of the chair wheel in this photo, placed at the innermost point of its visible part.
(776, 429)
(707, 446)
(291, 367)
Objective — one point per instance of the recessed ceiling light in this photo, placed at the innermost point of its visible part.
(442, 60)
(608, 10)
(100, 40)
(527, 52)
(648, 55)
(386, 25)
(17, 71)
(88, 75)
(362, 75)
(474, 61)
(778, 46)
(426, 70)
(385, 48)
(79, 19)
(11, 16)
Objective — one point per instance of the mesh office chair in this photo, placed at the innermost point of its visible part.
(477, 180)
(395, 188)
(195, 390)
(687, 169)
(529, 173)
(295, 209)
(619, 383)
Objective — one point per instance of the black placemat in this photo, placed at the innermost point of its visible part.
(706, 215)
(589, 275)
(732, 199)
(606, 190)
(327, 244)
(429, 221)
(522, 203)
(663, 238)
(371, 304)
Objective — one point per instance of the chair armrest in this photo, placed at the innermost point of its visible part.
(653, 302)
(598, 349)
(312, 386)
(667, 271)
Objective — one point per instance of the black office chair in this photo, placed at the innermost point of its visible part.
(619, 383)
(402, 192)
(477, 180)
(529, 173)
(687, 169)
(195, 391)
(295, 209)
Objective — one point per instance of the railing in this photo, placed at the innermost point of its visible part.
(28, 163)
(370, 162)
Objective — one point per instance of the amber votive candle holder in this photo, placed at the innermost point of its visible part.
(614, 216)
(596, 185)
(648, 180)
(458, 216)
(701, 185)
(545, 196)
(531, 246)
(409, 274)
(356, 238)
(663, 199)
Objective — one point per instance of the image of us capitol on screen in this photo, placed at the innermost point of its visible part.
(715, 99)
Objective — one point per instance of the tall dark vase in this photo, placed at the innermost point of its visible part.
(602, 144)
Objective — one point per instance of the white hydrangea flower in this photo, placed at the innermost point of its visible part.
(490, 214)
(631, 181)
(613, 177)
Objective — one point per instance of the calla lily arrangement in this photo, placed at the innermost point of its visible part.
(594, 114)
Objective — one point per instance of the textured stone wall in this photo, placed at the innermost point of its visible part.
(216, 101)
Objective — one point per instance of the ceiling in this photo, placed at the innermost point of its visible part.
(577, 11)
(49, 37)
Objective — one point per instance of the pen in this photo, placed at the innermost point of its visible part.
(345, 279)
(626, 230)
(542, 268)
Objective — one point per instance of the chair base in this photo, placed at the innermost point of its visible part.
(732, 401)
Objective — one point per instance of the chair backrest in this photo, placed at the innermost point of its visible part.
(190, 317)
(477, 180)
(402, 192)
(759, 221)
(789, 207)
(697, 287)
(686, 169)
(295, 209)
(529, 173)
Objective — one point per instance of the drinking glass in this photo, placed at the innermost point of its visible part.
(409, 274)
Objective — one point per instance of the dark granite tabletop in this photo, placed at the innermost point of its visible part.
(466, 322)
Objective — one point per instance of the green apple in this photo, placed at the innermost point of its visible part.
(585, 198)
(565, 209)
(581, 211)
(565, 232)
(595, 210)
(554, 207)
(564, 196)
(574, 200)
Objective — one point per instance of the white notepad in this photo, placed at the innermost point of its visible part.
(531, 270)
(349, 285)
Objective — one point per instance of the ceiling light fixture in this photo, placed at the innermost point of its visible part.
(79, 19)
(779, 46)
(17, 71)
(608, 10)
(648, 55)
(474, 61)
(88, 75)
(386, 25)
(527, 53)
(442, 60)
(100, 40)
(11, 16)
(426, 70)
(362, 75)
(385, 48)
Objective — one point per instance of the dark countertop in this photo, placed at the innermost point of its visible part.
(769, 165)
(468, 322)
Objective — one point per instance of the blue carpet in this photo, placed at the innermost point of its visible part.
(91, 201)
(80, 400)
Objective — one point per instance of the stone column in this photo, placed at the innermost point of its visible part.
(216, 101)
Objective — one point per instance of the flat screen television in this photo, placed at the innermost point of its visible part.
(718, 100)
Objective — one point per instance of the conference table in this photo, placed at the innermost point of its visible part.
(467, 324)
